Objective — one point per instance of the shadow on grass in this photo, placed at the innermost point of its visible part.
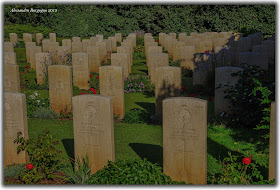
(69, 147)
(153, 153)
(149, 107)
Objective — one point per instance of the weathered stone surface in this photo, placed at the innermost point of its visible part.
(94, 58)
(127, 50)
(93, 130)
(13, 37)
(8, 47)
(27, 37)
(100, 37)
(121, 59)
(185, 139)
(86, 43)
(76, 39)
(176, 50)
(127, 43)
(77, 47)
(173, 35)
(39, 38)
(263, 51)
(223, 76)
(27, 47)
(67, 42)
(102, 49)
(15, 120)
(108, 46)
(111, 84)
(42, 61)
(205, 45)
(52, 37)
(53, 46)
(161, 37)
(187, 57)
(148, 44)
(132, 36)
(157, 60)
(45, 45)
(32, 51)
(60, 87)
(202, 67)
(272, 143)
(250, 58)
(153, 49)
(148, 39)
(118, 37)
(114, 43)
(181, 36)
(11, 78)
(222, 56)
(81, 70)
(93, 41)
(168, 84)
(148, 34)
(10, 58)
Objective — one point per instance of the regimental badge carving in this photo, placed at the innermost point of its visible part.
(59, 87)
(89, 123)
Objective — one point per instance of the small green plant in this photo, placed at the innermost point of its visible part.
(35, 101)
(20, 44)
(80, 173)
(239, 171)
(44, 113)
(131, 172)
(94, 81)
(14, 170)
(45, 158)
(136, 116)
(175, 63)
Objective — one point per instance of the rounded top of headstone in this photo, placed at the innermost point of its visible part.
(167, 100)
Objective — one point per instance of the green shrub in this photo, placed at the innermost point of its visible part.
(246, 108)
(34, 101)
(44, 113)
(19, 29)
(20, 44)
(14, 170)
(239, 171)
(136, 116)
(45, 158)
(131, 172)
(81, 175)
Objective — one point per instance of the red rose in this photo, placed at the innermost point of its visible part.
(28, 70)
(211, 52)
(157, 41)
(210, 99)
(205, 51)
(183, 88)
(82, 93)
(192, 95)
(29, 166)
(21, 53)
(90, 76)
(97, 77)
(23, 72)
(94, 91)
(26, 66)
(246, 160)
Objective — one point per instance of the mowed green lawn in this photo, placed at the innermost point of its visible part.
(138, 141)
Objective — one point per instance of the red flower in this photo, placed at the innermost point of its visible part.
(211, 52)
(183, 88)
(157, 41)
(82, 93)
(21, 53)
(29, 166)
(90, 76)
(27, 70)
(26, 66)
(210, 99)
(246, 160)
(97, 77)
(206, 52)
(94, 91)
(192, 95)
(23, 72)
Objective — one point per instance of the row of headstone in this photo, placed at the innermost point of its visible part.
(184, 134)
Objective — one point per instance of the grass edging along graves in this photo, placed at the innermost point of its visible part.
(143, 140)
